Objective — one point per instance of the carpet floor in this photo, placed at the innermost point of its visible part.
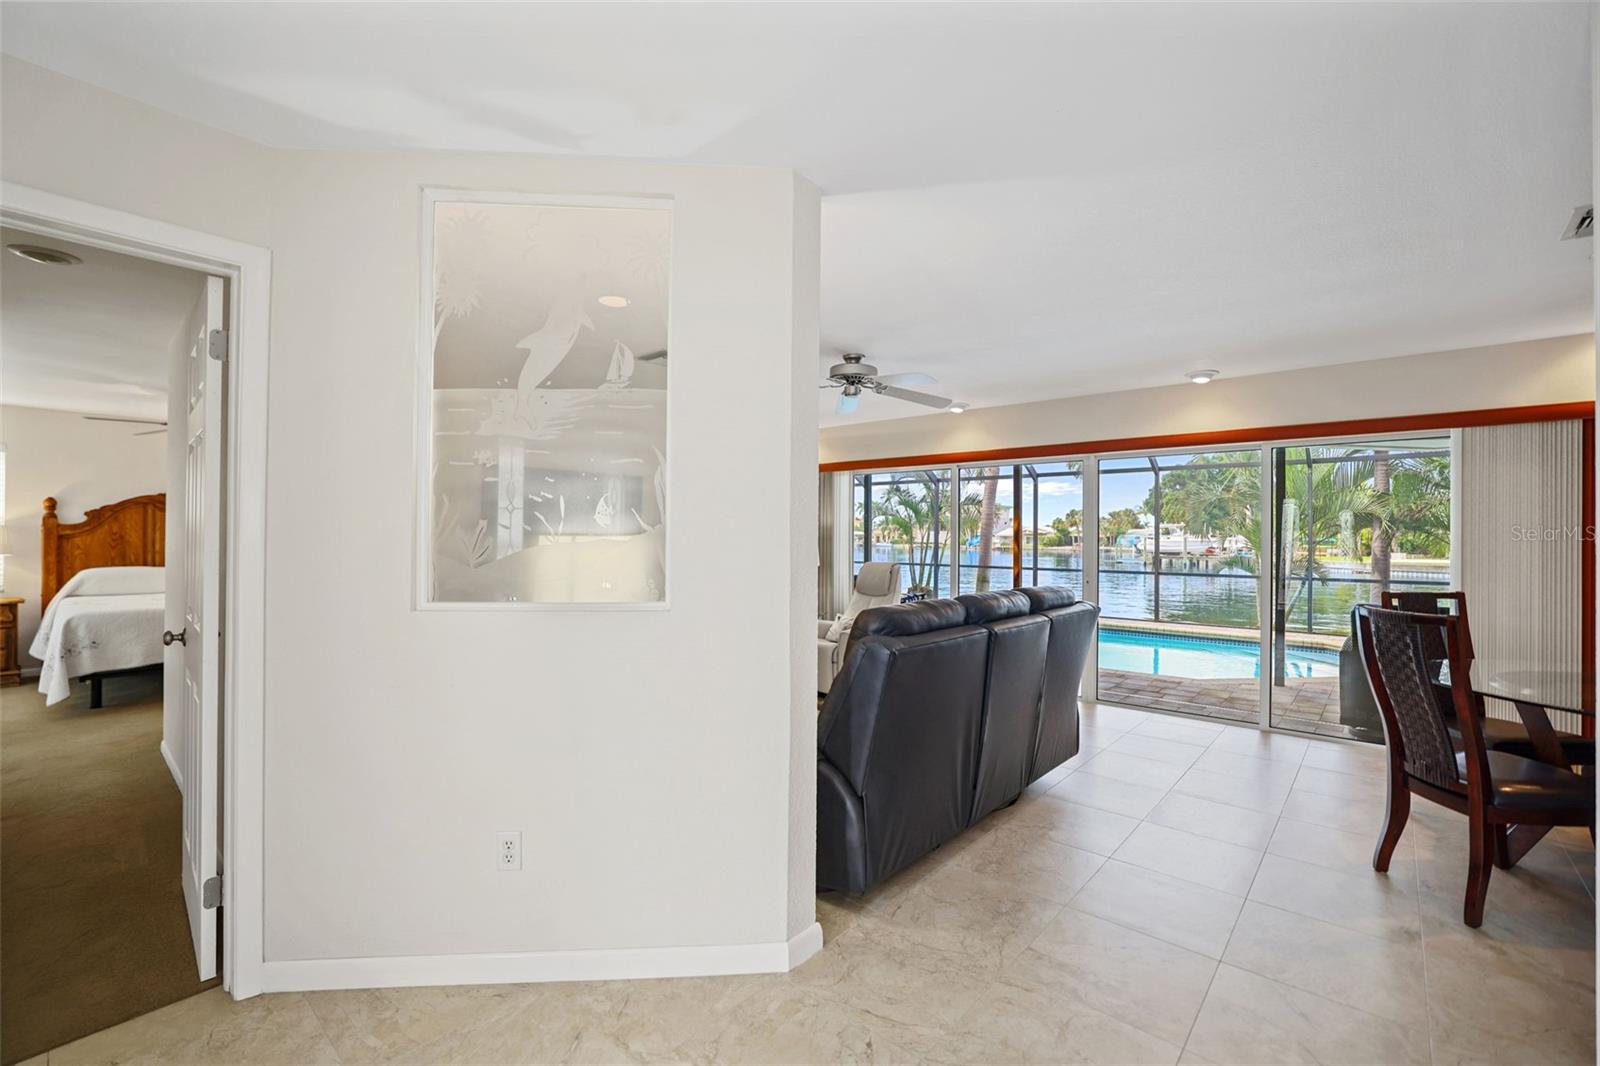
(92, 922)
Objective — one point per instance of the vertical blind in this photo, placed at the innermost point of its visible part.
(835, 545)
(1522, 542)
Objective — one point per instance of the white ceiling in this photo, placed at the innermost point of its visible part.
(1023, 200)
(96, 337)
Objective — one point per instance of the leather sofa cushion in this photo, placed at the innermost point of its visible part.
(992, 606)
(1044, 598)
(908, 619)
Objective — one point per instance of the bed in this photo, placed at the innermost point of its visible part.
(104, 595)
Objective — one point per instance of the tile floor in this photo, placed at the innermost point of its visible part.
(1181, 891)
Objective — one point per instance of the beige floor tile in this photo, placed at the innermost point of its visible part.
(1364, 760)
(384, 1024)
(1109, 794)
(1039, 866)
(875, 968)
(1134, 769)
(1495, 998)
(1202, 860)
(1025, 1024)
(1369, 902)
(989, 917)
(1583, 862)
(1183, 730)
(210, 1028)
(803, 1026)
(1258, 745)
(1168, 751)
(1342, 785)
(1217, 821)
(1093, 740)
(1190, 1058)
(1383, 977)
(1107, 716)
(1360, 816)
(1252, 793)
(1177, 911)
(1074, 824)
(1129, 975)
(1247, 767)
(1249, 1019)
(1337, 849)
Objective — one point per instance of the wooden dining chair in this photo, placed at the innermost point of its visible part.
(1450, 603)
(1499, 734)
(1493, 789)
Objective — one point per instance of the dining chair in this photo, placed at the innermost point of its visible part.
(1451, 603)
(1499, 734)
(1493, 789)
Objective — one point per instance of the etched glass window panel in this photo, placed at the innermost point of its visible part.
(547, 476)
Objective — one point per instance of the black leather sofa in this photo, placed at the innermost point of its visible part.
(943, 712)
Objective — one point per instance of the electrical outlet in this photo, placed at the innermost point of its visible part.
(508, 851)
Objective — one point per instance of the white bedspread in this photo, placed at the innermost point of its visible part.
(107, 618)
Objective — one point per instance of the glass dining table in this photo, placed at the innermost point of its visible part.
(1535, 691)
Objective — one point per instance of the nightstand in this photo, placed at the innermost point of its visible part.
(10, 672)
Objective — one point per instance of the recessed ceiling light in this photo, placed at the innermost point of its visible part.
(36, 253)
(613, 301)
(956, 408)
(1200, 377)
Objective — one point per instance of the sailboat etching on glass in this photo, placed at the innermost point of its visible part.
(548, 426)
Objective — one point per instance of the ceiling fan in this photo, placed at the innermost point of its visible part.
(855, 374)
(161, 427)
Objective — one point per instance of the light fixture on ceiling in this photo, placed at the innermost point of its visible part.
(613, 301)
(37, 253)
(1201, 377)
(956, 408)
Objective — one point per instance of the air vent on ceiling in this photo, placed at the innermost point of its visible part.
(1582, 223)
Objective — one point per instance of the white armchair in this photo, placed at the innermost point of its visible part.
(876, 584)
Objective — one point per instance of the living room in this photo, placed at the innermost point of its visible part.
(874, 532)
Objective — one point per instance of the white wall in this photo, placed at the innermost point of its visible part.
(82, 464)
(1558, 370)
(652, 760)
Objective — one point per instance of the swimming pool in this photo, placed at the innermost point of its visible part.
(1138, 652)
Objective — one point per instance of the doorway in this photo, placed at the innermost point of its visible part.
(235, 800)
(98, 770)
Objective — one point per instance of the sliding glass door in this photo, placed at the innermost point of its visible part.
(1179, 565)
(1021, 525)
(1349, 521)
(906, 516)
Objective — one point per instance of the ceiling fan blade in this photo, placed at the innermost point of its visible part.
(136, 421)
(151, 432)
(913, 378)
(926, 399)
(847, 404)
(650, 357)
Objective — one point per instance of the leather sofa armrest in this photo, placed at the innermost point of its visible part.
(841, 832)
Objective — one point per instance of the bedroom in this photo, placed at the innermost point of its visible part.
(93, 899)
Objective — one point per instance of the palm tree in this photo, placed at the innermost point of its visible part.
(991, 485)
(909, 512)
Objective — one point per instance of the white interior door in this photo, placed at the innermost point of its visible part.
(198, 641)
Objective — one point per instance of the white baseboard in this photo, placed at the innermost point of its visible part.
(307, 975)
(172, 764)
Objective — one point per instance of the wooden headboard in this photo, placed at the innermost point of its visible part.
(131, 532)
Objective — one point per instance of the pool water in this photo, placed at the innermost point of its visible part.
(1204, 657)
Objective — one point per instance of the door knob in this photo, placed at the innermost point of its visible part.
(169, 638)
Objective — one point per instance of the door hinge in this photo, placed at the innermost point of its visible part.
(211, 893)
(217, 344)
